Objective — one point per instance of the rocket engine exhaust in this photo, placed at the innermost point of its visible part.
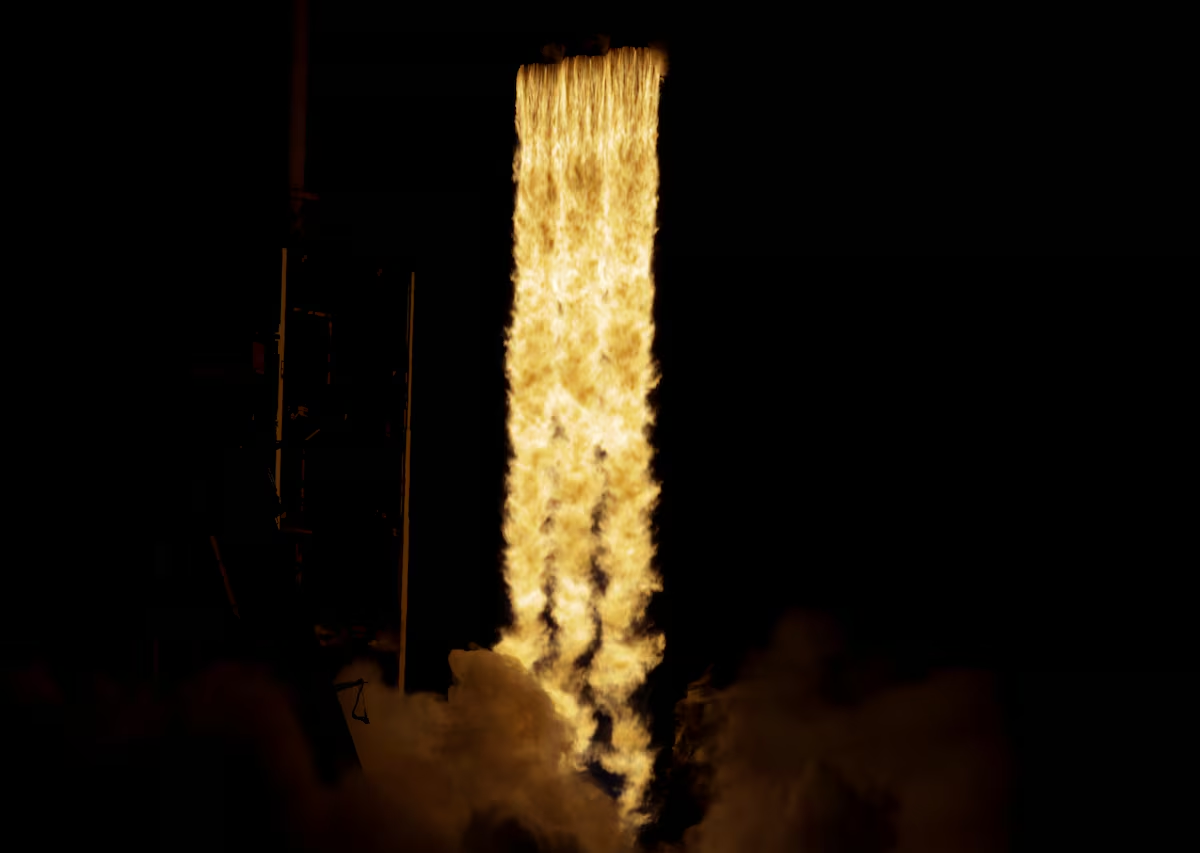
(580, 491)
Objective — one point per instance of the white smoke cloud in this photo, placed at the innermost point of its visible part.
(915, 767)
(810, 750)
(909, 766)
(482, 761)
(478, 770)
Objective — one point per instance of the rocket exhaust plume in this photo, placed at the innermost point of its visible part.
(580, 491)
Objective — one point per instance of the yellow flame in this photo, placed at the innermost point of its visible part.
(580, 490)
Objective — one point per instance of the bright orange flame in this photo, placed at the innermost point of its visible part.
(580, 490)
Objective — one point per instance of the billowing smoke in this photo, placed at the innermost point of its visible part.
(810, 750)
(485, 768)
(814, 750)
(223, 763)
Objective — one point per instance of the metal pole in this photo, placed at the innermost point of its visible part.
(296, 151)
(279, 391)
(299, 111)
(224, 576)
(297, 195)
(407, 471)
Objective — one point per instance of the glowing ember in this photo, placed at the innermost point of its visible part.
(580, 491)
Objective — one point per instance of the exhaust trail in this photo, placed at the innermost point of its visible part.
(580, 491)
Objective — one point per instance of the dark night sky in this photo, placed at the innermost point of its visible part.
(961, 457)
